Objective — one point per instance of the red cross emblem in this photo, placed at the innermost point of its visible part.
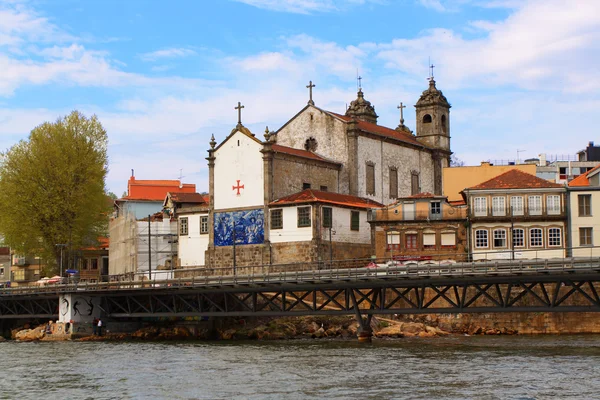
(238, 187)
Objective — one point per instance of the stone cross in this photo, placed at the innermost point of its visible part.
(359, 79)
(401, 107)
(239, 108)
(310, 87)
(431, 67)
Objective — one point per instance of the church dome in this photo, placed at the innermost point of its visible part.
(362, 109)
(432, 96)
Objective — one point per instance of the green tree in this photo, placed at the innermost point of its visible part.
(52, 188)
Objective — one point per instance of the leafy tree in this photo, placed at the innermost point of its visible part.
(52, 187)
(112, 196)
(456, 162)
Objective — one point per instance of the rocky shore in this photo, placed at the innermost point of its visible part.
(278, 329)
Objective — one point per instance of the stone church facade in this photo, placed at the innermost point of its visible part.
(323, 151)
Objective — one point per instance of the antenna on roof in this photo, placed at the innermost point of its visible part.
(180, 178)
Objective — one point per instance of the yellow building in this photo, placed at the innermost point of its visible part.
(458, 178)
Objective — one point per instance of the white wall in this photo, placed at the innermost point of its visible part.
(192, 246)
(341, 227)
(243, 162)
(592, 221)
(290, 231)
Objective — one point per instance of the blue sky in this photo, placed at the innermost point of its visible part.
(163, 76)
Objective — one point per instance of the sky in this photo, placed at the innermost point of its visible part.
(162, 77)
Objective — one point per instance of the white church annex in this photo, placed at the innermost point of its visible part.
(317, 163)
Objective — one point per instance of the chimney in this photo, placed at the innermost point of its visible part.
(542, 159)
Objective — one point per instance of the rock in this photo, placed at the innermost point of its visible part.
(441, 332)
(29, 335)
(319, 333)
(413, 327)
(333, 331)
(394, 331)
(476, 331)
(425, 334)
(431, 330)
(2, 339)
(490, 332)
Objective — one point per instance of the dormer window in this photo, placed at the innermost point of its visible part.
(426, 119)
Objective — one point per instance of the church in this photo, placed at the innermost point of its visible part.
(303, 193)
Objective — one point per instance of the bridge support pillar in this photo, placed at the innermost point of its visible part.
(365, 334)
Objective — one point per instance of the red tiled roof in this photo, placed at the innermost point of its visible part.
(381, 130)
(180, 197)
(298, 152)
(314, 196)
(425, 195)
(516, 179)
(155, 190)
(103, 244)
(206, 198)
(582, 180)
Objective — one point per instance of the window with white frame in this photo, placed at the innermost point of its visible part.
(393, 240)
(518, 237)
(554, 237)
(204, 224)
(480, 206)
(553, 204)
(499, 238)
(536, 237)
(481, 238)
(183, 226)
(448, 239)
(535, 205)
(498, 206)
(516, 205)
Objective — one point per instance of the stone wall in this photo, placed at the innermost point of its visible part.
(312, 252)
(221, 258)
(290, 174)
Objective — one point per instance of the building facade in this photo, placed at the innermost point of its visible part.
(517, 216)
(584, 206)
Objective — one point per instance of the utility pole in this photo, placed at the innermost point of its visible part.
(62, 246)
(330, 246)
(149, 250)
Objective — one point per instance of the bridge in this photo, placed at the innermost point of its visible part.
(563, 285)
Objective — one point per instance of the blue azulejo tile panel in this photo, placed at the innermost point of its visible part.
(247, 227)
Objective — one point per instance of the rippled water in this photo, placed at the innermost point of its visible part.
(515, 367)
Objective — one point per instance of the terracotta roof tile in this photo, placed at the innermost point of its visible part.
(381, 130)
(317, 196)
(425, 195)
(582, 180)
(515, 179)
(182, 197)
(299, 153)
(155, 190)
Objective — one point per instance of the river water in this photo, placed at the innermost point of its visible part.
(500, 367)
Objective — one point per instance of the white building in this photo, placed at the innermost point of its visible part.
(584, 207)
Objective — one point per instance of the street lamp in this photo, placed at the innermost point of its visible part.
(62, 246)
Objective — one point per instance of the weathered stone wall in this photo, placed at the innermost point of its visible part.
(291, 173)
(312, 252)
(221, 258)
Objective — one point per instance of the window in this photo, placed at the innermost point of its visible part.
(435, 208)
(354, 220)
(585, 237)
(443, 120)
(370, 176)
(499, 238)
(305, 186)
(536, 238)
(393, 240)
(277, 219)
(327, 216)
(414, 183)
(427, 119)
(480, 206)
(410, 241)
(393, 183)
(585, 205)
(93, 263)
(481, 238)
(535, 205)
(518, 237)
(323, 188)
(554, 237)
(448, 239)
(553, 205)
(516, 205)
(203, 224)
(429, 240)
(183, 226)
(498, 206)
(303, 217)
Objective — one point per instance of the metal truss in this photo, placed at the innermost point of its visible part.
(564, 293)
(29, 307)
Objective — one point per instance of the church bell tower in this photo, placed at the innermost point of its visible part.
(433, 120)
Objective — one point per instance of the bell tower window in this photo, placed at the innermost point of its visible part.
(426, 119)
(444, 128)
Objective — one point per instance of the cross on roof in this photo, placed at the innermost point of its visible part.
(239, 108)
(359, 79)
(401, 107)
(431, 67)
(310, 87)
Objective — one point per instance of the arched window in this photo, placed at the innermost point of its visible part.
(444, 123)
(426, 119)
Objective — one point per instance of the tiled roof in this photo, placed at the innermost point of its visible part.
(317, 196)
(381, 130)
(155, 190)
(515, 179)
(582, 180)
(425, 195)
(299, 153)
(181, 197)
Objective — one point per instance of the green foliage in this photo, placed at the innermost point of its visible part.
(52, 187)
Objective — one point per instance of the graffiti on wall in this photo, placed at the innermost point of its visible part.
(247, 227)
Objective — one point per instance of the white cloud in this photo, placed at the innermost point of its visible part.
(167, 53)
